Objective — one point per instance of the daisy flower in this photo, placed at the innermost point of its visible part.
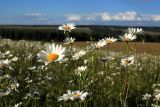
(65, 97)
(5, 93)
(79, 95)
(69, 40)
(67, 27)
(100, 44)
(79, 54)
(80, 70)
(14, 59)
(128, 37)
(146, 96)
(127, 61)
(18, 104)
(109, 40)
(135, 30)
(4, 62)
(157, 97)
(53, 53)
(106, 58)
(7, 52)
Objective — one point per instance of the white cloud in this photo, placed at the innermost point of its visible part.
(127, 16)
(156, 17)
(121, 16)
(39, 18)
(106, 16)
(73, 18)
(34, 14)
(90, 17)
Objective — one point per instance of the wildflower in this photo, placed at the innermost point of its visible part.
(157, 94)
(154, 105)
(79, 95)
(52, 53)
(14, 59)
(127, 61)
(5, 93)
(10, 55)
(80, 70)
(5, 76)
(6, 62)
(86, 61)
(14, 86)
(32, 68)
(146, 96)
(2, 55)
(101, 73)
(156, 91)
(65, 97)
(69, 40)
(100, 44)
(76, 56)
(7, 53)
(67, 27)
(135, 30)
(107, 58)
(74, 96)
(157, 97)
(127, 37)
(109, 40)
(18, 104)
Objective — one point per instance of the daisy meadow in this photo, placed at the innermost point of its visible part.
(53, 53)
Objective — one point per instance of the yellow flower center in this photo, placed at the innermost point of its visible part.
(108, 41)
(127, 62)
(52, 57)
(126, 39)
(66, 27)
(97, 46)
(76, 95)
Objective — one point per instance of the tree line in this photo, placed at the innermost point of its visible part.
(82, 33)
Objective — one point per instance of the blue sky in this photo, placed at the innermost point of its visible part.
(102, 12)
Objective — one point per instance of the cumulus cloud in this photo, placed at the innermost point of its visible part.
(127, 16)
(73, 18)
(105, 16)
(122, 16)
